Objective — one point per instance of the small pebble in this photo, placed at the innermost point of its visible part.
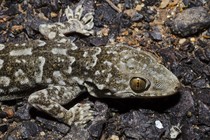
(157, 36)
(190, 21)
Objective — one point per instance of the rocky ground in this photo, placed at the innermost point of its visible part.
(177, 32)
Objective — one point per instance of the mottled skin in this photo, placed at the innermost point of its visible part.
(55, 72)
(114, 68)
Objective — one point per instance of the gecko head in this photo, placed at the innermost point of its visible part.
(138, 85)
(141, 75)
(135, 74)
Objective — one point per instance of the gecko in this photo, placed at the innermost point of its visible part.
(55, 71)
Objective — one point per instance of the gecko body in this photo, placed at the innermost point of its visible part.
(54, 72)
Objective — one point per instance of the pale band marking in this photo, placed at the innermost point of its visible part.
(4, 81)
(52, 35)
(78, 80)
(97, 72)
(58, 77)
(73, 46)
(108, 77)
(98, 51)
(27, 51)
(69, 70)
(2, 46)
(1, 63)
(49, 80)
(108, 63)
(41, 43)
(20, 61)
(39, 73)
(71, 61)
(14, 89)
(1, 91)
(24, 44)
(20, 77)
(94, 57)
(63, 40)
(85, 54)
(59, 51)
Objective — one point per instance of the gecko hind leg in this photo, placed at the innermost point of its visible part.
(51, 99)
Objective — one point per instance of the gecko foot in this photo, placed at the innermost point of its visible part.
(80, 114)
(81, 24)
(76, 23)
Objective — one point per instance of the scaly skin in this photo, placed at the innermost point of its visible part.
(54, 72)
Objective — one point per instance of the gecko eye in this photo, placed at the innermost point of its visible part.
(138, 84)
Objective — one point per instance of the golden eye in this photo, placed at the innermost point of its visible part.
(138, 84)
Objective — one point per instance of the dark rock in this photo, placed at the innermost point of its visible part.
(137, 17)
(97, 125)
(207, 53)
(77, 133)
(204, 114)
(194, 3)
(157, 36)
(189, 132)
(142, 125)
(203, 95)
(12, 10)
(46, 11)
(12, 138)
(185, 103)
(151, 2)
(129, 4)
(104, 14)
(146, 26)
(187, 47)
(3, 26)
(32, 25)
(201, 55)
(3, 128)
(39, 3)
(98, 41)
(202, 43)
(28, 129)
(200, 83)
(148, 14)
(101, 108)
(23, 112)
(188, 77)
(186, 2)
(195, 65)
(3, 114)
(24, 131)
(132, 133)
(125, 20)
(52, 125)
(190, 21)
(207, 33)
(18, 20)
(96, 129)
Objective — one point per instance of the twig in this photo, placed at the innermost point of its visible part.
(113, 6)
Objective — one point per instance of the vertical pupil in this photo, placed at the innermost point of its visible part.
(138, 84)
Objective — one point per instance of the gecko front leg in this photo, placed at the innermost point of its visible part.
(75, 23)
(51, 100)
